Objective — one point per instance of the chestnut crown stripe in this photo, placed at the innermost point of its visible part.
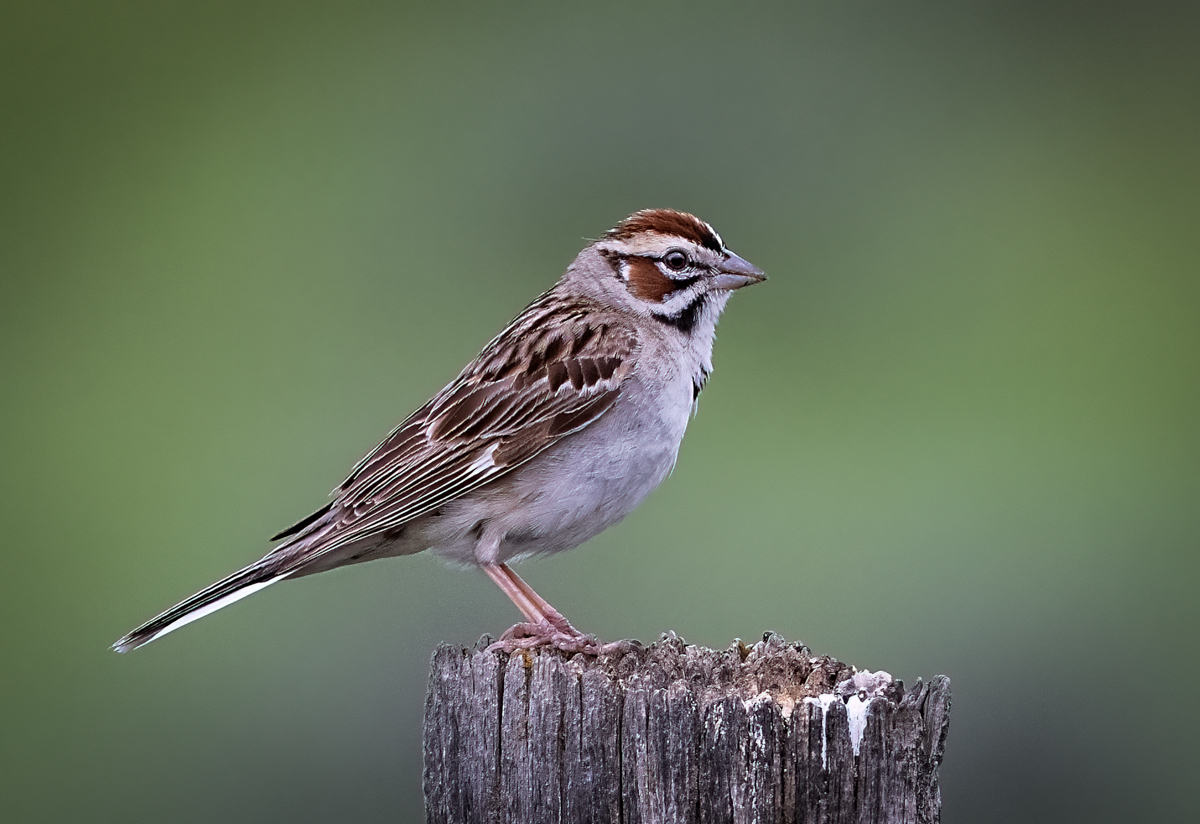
(668, 222)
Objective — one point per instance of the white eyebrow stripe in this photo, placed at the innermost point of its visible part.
(717, 236)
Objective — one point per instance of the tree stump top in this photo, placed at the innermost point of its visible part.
(678, 733)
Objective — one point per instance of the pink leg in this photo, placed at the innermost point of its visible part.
(519, 595)
(542, 604)
(545, 625)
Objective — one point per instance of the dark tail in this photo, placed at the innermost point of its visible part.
(224, 592)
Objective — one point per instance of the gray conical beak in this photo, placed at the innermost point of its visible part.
(734, 273)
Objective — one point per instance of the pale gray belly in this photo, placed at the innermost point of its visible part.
(571, 492)
(581, 486)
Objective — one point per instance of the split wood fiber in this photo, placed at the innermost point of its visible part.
(676, 734)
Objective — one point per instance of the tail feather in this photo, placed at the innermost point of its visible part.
(223, 593)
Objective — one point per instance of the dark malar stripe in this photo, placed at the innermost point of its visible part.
(698, 382)
(683, 283)
(685, 319)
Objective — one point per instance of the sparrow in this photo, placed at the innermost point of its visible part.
(560, 427)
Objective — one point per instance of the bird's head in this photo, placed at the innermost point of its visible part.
(668, 265)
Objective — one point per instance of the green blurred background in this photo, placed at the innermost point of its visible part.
(957, 432)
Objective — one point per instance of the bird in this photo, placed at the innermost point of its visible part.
(560, 427)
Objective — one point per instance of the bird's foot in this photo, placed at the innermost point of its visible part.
(553, 631)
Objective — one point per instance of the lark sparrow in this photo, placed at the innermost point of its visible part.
(561, 426)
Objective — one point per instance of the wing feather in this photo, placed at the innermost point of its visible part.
(551, 372)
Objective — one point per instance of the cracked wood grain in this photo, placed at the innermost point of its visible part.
(678, 734)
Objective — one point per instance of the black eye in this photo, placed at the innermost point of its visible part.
(676, 260)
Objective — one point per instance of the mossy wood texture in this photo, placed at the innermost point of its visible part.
(675, 734)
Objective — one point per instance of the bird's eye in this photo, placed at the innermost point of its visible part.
(676, 260)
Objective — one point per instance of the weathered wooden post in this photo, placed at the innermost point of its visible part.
(676, 734)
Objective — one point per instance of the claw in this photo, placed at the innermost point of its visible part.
(554, 631)
(546, 626)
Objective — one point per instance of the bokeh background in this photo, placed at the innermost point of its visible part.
(957, 432)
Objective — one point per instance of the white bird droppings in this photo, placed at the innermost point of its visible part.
(823, 701)
(856, 712)
(862, 688)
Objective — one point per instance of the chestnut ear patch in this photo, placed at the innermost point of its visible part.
(647, 282)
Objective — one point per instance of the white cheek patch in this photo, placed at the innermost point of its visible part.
(677, 301)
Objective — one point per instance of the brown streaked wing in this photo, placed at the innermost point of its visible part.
(553, 371)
